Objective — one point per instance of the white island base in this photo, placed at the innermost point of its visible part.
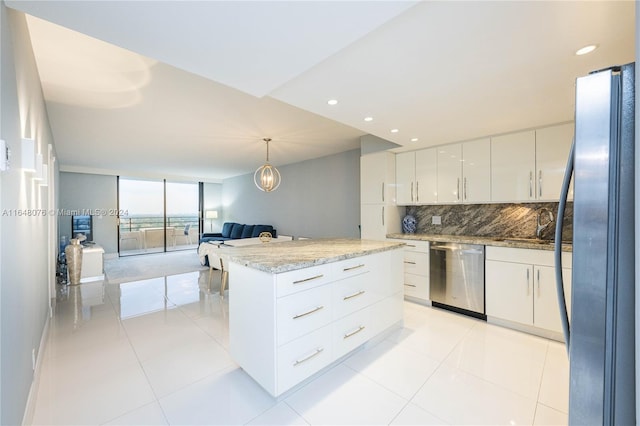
(286, 327)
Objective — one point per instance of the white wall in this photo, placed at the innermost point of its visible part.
(25, 244)
(317, 198)
(96, 194)
(213, 201)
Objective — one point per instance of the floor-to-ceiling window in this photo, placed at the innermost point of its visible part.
(158, 216)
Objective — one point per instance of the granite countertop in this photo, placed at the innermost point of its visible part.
(298, 254)
(513, 242)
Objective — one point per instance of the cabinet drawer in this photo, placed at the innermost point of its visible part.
(387, 312)
(416, 263)
(303, 357)
(351, 331)
(417, 246)
(416, 286)
(351, 267)
(303, 279)
(303, 312)
(528, 256)
(353, 294)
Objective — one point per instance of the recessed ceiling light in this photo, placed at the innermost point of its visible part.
(414, 139)
(587, 49)
(332, 101)
(368, 119)
(394, 130)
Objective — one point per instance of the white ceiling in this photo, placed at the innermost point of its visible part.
(218, 76)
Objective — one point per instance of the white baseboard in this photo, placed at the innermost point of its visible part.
(30, 408)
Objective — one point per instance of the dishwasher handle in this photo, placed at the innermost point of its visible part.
(448, 247)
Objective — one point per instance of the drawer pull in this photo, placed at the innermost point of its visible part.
(353, 267)
(411, 245)
(304, 314)
(354, 332)
(308, 279)
(409, 262)
(308, 357)
(356, 294)
(410, 285)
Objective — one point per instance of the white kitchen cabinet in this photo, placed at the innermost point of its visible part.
(520, 287)
(377, 178)
(476, 171)
(378, 220)
(379, 214)
(285, 327)
(464, 172)
(416, 177)
(552, 151)
(513, 164)
(416, 269)
(450, 173)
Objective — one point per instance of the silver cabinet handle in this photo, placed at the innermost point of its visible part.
(458, 189)
(540, 183)
(409, 262)
(356, 294)
(304, 314)
(538, 273)
(530, 184)
(383, 192)
(353, 267)
(417, 191)
(410, 245)
(306, 280)
(382, 215)
(308, 357)
(411, 191)
(465, 189)
(528, 283)
(354, 332)
(409, 285)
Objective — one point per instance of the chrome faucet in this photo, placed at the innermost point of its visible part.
(542, 226)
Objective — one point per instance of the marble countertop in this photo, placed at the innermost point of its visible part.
(527, 243)
(298, 254)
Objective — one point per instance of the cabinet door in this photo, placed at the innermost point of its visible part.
(546, 311)
(377, 178)
(450, 173)
(378, 220)
(513, 167)
(426, 176)
(552, 151)
(405, 177)
(476, 171)
(509, 291)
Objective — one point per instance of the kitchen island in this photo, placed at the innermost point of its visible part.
(297, 307)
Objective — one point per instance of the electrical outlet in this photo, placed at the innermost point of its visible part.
(436, 220)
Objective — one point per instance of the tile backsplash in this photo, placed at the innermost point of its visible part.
(490, 220)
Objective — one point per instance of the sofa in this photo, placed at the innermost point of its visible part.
(236, 231)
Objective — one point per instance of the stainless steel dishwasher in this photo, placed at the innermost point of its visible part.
(456, 278)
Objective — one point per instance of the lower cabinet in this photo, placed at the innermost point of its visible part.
(416, 269)
(285, 327)
(520, 287)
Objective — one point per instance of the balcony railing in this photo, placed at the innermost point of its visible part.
(147, 233)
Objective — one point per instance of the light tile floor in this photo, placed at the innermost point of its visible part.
(156, 352)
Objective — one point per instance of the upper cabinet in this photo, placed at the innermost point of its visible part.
(377, 178)
(552, 151)
(529, 166)
(416, 177)
(464, 172)
(513, 165)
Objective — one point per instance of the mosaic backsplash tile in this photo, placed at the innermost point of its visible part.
(490, 220)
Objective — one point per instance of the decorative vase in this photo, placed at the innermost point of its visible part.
(73, 253)
(409, 224)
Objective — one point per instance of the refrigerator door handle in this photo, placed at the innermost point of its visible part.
(564, 192)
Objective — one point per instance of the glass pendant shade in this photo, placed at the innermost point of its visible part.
(267, 177)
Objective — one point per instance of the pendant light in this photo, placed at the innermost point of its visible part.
(267, 177)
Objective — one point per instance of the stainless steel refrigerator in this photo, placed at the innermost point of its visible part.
(601, 331)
